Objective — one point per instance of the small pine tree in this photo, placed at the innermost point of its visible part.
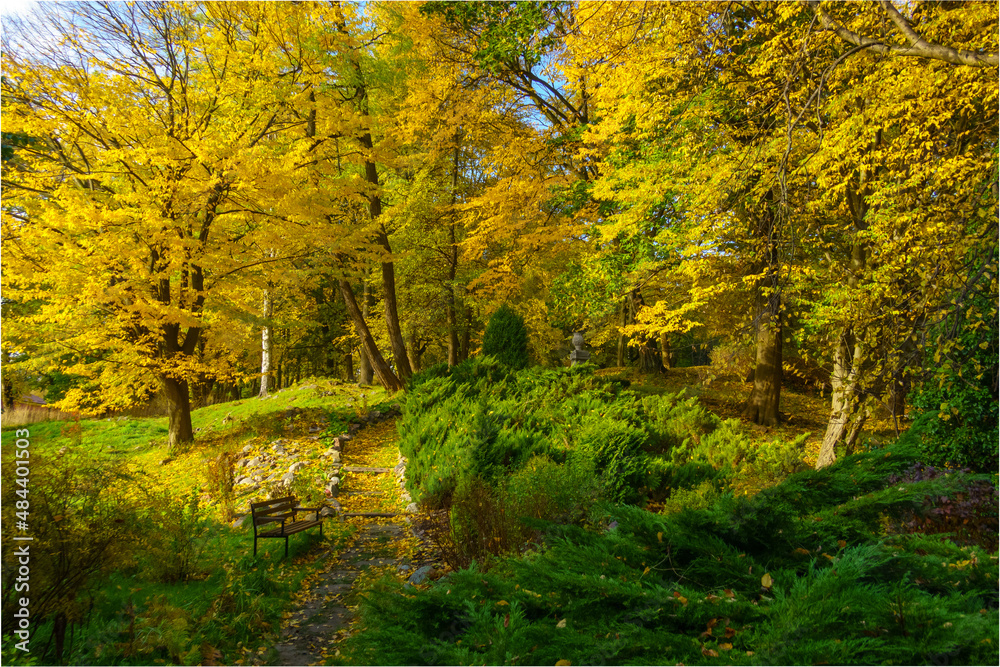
(506, 338)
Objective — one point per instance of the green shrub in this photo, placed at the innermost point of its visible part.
(800, 574)
(506, 338)
(956, 410)
(85, 522)
(220, 474)
(616, 447)
(176, 530)
(676, 421)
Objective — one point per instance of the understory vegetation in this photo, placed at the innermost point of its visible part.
(560, 551)
(135, 558)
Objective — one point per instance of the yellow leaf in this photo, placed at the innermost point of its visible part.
(563, 663)
(766, 581)
(561, 624)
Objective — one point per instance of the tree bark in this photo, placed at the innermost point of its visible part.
(765, 398)
(179, 430)
(375, 211)
(415, 350)
(265, 344)
(382, 369)
(666, 352)
(846, 361)
(349, 366)
(365, 371)
(763, 404)
(453, 345)
(466, 336)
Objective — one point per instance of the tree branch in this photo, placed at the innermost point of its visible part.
(918, 47)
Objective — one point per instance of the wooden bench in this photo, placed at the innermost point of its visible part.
(282, 511)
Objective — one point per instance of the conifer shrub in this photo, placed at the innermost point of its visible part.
(785, 577)
(506, 338)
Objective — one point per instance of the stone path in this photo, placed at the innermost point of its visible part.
(382, 539)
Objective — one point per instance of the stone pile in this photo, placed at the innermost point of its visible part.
(279, 463)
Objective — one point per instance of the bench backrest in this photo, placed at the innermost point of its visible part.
(268, 508)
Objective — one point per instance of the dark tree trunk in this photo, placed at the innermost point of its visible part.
(375, 211)
(365, 371)
(453, 345)
(762, 406)
(179, 430)
(765, 398)
(415, 350)
(382, 370)
(466, 335)
(349, 367)
(59, 634)
(666, 352)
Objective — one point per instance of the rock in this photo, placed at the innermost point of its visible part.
(166, 461)
(238, 523)
(374, 416)
(297, 466)
(420, 576)
(336, 456)
(315, 429)
(353, 428)
(337, 444)
(278, 449)
(404, 568)
(412, 508)
(328, 511)
(345, 437)
(333, 504)
(288, 479)
(243, 481)
(248, 449)
(406, 497)
(400, 468)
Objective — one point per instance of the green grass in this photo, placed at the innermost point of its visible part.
(231, 604)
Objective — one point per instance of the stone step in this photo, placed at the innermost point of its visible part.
(365, 469)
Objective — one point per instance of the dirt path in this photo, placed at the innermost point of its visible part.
(379, 544)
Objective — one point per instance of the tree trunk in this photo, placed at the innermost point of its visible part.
(622, 338)
(349, 367)
(179, 430)
(846, 362)
(763, 404)
(399, 355)
(466, 335)
(382, 370)
(59, 633)
(843, 399)
(414, 350)
(453, 345)
(265, 344)
(375, 211)
(366, 373)
(666, 353)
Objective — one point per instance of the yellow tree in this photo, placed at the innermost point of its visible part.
(157, 136)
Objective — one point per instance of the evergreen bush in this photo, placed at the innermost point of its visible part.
(506, 338)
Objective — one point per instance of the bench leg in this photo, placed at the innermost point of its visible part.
(286, 547)
(254, 546)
